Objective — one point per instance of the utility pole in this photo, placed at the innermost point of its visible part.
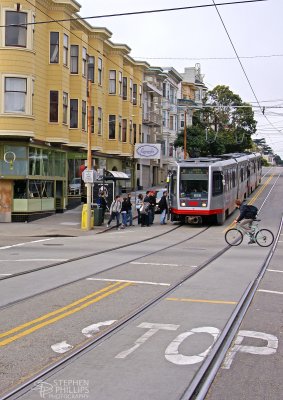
(185, 135)
(89, 158)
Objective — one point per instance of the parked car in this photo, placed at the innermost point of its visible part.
(75, 186)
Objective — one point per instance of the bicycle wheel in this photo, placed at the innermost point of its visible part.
(234, 237)
(264, 237)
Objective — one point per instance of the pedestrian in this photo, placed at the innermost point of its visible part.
(144, 212)
(129, 211)
(244, 219)
(115, 210)
(163, 206)
(139, 202)
(124, 212)
(152, 206)
(103, 205)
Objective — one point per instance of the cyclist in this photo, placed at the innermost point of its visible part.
(244, 219)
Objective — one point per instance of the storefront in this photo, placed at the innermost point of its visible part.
(33, 181)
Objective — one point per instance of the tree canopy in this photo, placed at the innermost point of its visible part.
(224, 125)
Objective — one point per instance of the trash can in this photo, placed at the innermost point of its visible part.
(98, 214)
(84, 218)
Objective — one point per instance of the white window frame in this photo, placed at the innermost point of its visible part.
(100, 71)
(84, 62)
(28, 104)
(112, 81)
(131, 90)
(50, 55)
(30, 28)
(99, 121)
(65, 49)
(120, 83)
(21, 29)
(65, 107)
(74, 59)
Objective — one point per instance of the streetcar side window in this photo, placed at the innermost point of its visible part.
(217, 184)
(173, 184)
(233, 178)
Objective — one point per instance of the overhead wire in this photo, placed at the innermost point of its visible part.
(52, 20)
(82, 40)
(136, 13)
(242, 67)
(209, 58)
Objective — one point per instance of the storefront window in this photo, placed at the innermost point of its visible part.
(46, 162)
(41, 189)
(20, 190)
(34, 161)
(60, 164)
(14, 161)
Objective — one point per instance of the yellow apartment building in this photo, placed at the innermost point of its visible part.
(47, 56)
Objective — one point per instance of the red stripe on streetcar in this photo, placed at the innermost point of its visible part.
(197, 212)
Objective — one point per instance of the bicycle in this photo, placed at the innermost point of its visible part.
(263, 237)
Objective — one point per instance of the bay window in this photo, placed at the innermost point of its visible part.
(15, 95)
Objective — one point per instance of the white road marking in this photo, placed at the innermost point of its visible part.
(62, 347)
(91, 329)
(5, 274)
(166, 265)
(152, 330)
(36, 259)
(70, 223)
(269, 349)
(23, 244)
(124, 280)
(140, 263)
(173, 355)
(274, 270)
(269, 291)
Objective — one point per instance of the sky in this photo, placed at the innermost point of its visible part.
(183, 38)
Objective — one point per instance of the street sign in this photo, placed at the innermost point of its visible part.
(89, 175)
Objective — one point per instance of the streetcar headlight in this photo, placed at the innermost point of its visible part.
(183, 204)
(203, 204)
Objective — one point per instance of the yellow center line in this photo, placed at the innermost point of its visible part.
(64, 315)
(201, 301)
(51, 314)
(253, 199)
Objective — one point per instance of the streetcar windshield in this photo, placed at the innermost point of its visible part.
(194, 182)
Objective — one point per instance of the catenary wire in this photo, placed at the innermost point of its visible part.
(242, 67)
(133, 13)
(209, 58)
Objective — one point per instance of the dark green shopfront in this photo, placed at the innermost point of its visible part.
(34, 180)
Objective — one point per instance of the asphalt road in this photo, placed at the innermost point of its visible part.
(157, 354)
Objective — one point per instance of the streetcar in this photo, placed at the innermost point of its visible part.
(207, 187)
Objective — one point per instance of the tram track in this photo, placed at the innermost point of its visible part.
(199, 386)
(116, 327)
(204, 377)
(88, 255)
(82, 278)
(202, 380)
(92, 254)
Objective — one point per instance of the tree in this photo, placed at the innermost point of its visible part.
(232, 118)
(199, 141)
(224, 125)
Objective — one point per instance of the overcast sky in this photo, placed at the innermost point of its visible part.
(183, 38)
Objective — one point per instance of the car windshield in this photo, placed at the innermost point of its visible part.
(76, 181)
(160, 193)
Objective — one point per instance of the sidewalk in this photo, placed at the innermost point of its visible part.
(61, 224)
(65, 224)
